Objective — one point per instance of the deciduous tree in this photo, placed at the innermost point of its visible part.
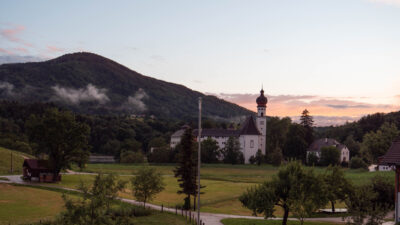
(146, 184)
(58, 135)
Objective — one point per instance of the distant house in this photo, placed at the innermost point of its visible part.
(38, 170)
(317, 145)
(392, 157)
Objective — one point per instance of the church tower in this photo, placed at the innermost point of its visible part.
(261, 120)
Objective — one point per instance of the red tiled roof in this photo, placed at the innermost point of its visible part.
(392, 156)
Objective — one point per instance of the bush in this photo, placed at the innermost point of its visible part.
(344, 164)
(162, 155)
(252, 159)
(312, 159)
(330, 156)
(357, 162)
(132, 157)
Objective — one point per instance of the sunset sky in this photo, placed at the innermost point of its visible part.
(340, 59)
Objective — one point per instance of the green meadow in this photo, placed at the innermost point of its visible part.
(43, 204)
(17, 161)
(223, 183)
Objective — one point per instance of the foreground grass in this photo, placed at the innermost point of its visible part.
(5, 161)
(23, 204)
(20, 204)
(268, 222)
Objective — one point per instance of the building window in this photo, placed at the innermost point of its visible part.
(252, 144)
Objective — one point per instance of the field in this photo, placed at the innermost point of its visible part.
(37, 204)
(24, 204)
(224, 183)
(5, 161)
(268, 222)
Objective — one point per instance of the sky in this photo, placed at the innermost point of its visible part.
(337, 58)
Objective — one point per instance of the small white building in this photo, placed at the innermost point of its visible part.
(326, 142)
(251, 135)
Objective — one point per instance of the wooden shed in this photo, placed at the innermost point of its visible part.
(392, 158)
(39, 170)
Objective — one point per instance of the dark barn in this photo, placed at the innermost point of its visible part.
(36, 169)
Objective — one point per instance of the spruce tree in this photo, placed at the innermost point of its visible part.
(307, 122)
(186, 171)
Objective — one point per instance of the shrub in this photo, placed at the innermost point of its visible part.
(312, 159)
(132, 157)
(252, 159)
(357, 162)
(330, 156)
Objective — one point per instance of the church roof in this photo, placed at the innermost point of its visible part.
(262, 100)
(392, 156)
(249, 127)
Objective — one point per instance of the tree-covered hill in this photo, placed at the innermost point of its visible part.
(91, 84)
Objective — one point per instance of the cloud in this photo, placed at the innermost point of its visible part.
(19, 59)
(76, 96)
(20, 49)
(330, 110)
(387, 2)
(2, 50)
(12, 35)
(6, 89)
(54, 49)
(135, 103)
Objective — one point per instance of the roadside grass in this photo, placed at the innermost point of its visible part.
(231, 221)
(5, 161)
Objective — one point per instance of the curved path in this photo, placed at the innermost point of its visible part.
(207, 218)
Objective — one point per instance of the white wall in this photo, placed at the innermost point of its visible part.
(249, 149)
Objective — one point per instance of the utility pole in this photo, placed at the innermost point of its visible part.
(198, 165)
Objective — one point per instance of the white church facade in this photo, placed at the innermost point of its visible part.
(251, 135)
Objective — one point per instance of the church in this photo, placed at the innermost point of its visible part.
(251, 135)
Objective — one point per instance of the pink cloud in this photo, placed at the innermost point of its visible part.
(2, 50)
(13, 34)
(327, 110)
(20, 49)
(51, 48)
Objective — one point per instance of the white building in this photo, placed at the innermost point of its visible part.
(326, 142)
(251, 135)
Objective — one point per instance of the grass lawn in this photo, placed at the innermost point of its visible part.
(25, 204)
(224, 183)
(268, 222)
(5, 161)
(22, 204)
(232, 173)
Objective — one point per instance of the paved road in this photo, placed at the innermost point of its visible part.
(207, 218)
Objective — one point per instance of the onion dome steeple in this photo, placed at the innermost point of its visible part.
(262, 100)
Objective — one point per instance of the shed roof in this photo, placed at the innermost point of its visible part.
(392, 156)
(36, 164)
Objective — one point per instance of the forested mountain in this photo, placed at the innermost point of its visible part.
(91, 84)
